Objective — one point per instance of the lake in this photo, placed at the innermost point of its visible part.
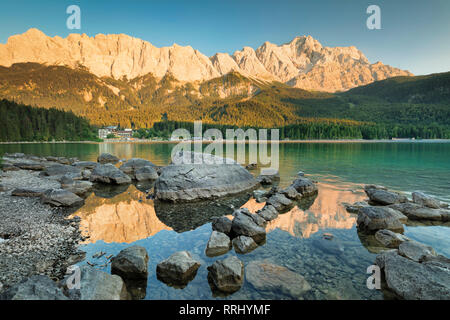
(118, 218)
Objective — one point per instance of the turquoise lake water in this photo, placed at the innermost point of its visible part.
(124, 217)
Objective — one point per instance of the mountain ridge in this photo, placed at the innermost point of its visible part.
(301, 63)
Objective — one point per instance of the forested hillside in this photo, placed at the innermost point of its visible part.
(24, 123)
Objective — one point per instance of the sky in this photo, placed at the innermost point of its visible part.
(414, 34)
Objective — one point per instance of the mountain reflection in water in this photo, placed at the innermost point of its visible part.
(125, 215)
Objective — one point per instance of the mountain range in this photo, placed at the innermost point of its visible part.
(302, 63)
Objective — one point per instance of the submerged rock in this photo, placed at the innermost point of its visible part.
(243, 244)
(214, 177)
(275, 279)
(97, 285)
(179, 269)
(390, 239)
(105, 158)
(330, 246)
(219, 243)
(131, 263)
(372, 219)
(109, 174)
(61, 198)
(37, 287)
(227, 275)
(412, 280)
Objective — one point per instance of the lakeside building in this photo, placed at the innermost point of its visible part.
(124, 134)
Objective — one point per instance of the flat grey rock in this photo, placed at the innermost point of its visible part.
(371, 219)
(268, 213)
(390, 239)
(109, 174)
(37, 287)
(415, 251)
(384, 197)
(61, 198)
(178, 269)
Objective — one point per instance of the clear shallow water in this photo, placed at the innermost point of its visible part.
(294, 239)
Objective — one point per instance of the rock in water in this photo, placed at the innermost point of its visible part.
(332, 246)
(417, 212)
(105, 158)
(304, 186)
(425, 200)
(268, 176)
(227, 275)
(146, 173)
(244, 225)
(221, 224)
(268, 213)
(178, 269)
(415, 281)
(61, 198)
(214, 177)
(384, 197)
(131, 263)
(97, 285)
(133, 167)
(37, 287)
(415, 251)
(372, 219)
(280, 202)
(243, 244)
(109, 174)
(271, 278)
(85, 165)
(80, 188)
(219, 243)
(390, 239)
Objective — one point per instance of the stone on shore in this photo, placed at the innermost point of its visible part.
(268, 213)
(28, 192)
(415, 281)
(280, 202)
(383, 197)
(221, 224)
(179, 269)
(390, 239)
(213, 177)
(243, 244)
(415, 251)
(131, 263)
(98, 285)
(304, 186)
(105, 158)
(219, 243)
(109, 174)
(61, 198)
(275, 279)
(227, 275)
(372, 219)
(30, 165)
(82, 165)
(37, 287)
(80, 188)
(244, 224)
(57, 171)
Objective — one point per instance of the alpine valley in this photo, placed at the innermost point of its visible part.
(120, 80)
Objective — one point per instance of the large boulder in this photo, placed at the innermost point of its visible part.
(425, 200)
(227, 275)
(105, 158)
(178, 269)
(390, 239)
(243, 244)
(37, 287)
(131, 263)
(412, 280)
(372, 219)
(61, 198)
(274, 279)
(304, 186)
(246, 224)
(146, 173)
(219, 243)
(384, 197)
(109, 174)
(97, 285)
(214, 177)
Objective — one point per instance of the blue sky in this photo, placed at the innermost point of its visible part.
(415, 34)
